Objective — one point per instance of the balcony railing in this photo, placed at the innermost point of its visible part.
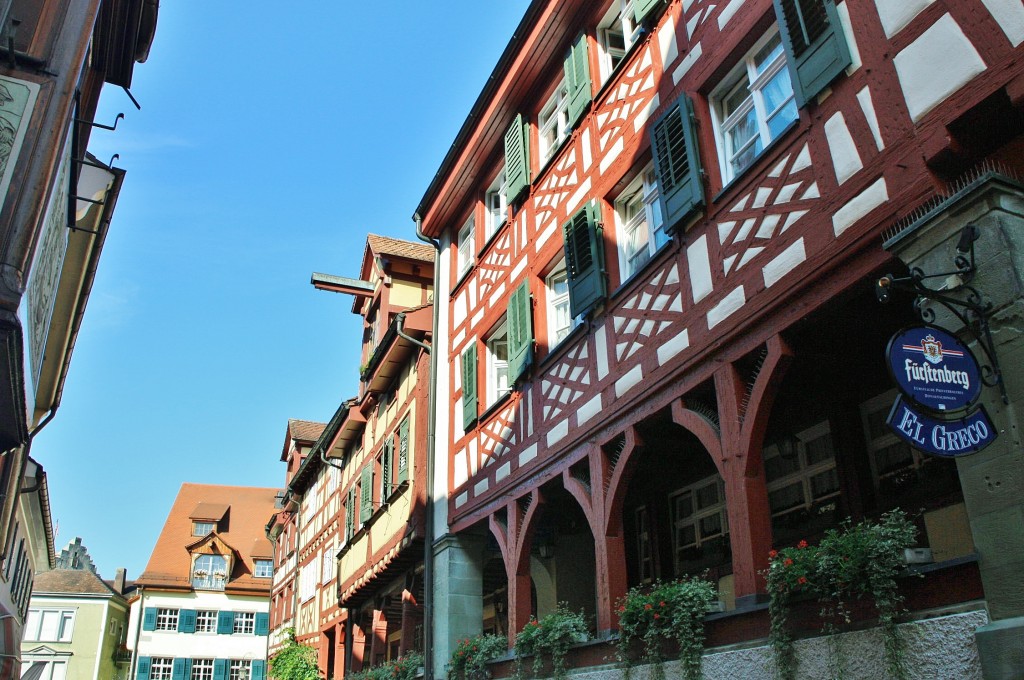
(208, 582)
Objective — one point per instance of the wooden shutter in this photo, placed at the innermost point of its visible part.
(584, 260)
(225, 623)
(643, 9)
(469, 397)
(517, 158)
(677, 163)
(258, 670)
(181, 669)
(386, 468)
(187, 621)
(816, 48)
(520, 332)
(221, 669)
(366, 494)
(577, 79)
(262, 623)
(142, 669)
(149, 619)
(403, 451)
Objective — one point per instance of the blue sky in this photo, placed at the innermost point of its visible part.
(270, 142)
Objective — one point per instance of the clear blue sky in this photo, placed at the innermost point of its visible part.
(272, 138)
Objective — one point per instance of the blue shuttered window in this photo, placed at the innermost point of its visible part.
(142, 669)
(187, 621)
(517, 158)
(262, 623)
(584, 260)
(225, 623)
(259, 670)
(221, 669)
(577, 79)
(149, 618)
(520, 332)
(816, 48)
(181, 669)
(677, 163)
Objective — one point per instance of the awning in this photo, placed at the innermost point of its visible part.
(34, 672)
(10, 646)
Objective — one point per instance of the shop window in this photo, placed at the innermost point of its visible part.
(700, 525)
(639, 222)
(803, 483)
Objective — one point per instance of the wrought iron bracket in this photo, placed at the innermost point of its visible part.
(93, 123)
(971, 308)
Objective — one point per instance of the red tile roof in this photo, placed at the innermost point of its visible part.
(242, 529)
(305, 430)
(71, 582)
(385, 245)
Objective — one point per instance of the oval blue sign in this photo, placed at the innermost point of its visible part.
(934, 369)
(947, 438)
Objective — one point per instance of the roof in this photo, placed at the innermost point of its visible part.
(248, 509)
(213, 512)
(71, 582)
(305, 430)
(385, 245)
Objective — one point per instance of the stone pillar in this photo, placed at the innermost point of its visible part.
(458, 609)
(993, 479)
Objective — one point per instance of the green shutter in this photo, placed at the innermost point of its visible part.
(577, 79)
(225, 623)
(187, 621)
(643, 9)
(221, 669)
(517, 158)
(816, 48)
(366, 494)
(142, 669)
(181, 669)
(262, 623)
(520, 332)
(584, 260)
(403, 451)
(149, 619)
(386, 482)
(469, 400)
(259, 670)
(677, 163)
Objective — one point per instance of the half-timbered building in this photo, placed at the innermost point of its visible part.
(660, 228)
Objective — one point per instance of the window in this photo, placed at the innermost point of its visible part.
(496, 200)
(206, 621)
(699, 521)
(641, 228)
(210, 572)
(753, 106)
(167, 619)
(327, 569)
(553, 122)
(616, 33)
(350, 515)
(559, 318)
(465, 254)
(245, 623)
(890, 456)
(802, 480)
(263, 568)
(202, 669)
(49, 625)
(816, 50)
(161, 668)
(584, 260)
(241, 669)
(403, 451)
(307, 582)
(202, 528)
(497, 364)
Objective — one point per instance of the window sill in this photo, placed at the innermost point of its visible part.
(560, 349)
(461, 281)
(761, 159)
(656, 257)
(493, 408)
(611, 80)
(490, 239)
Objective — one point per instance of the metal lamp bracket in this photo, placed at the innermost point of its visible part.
(972, 309)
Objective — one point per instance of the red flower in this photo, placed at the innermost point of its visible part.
(657, 616)
(622, 610)
(647, 606)
(787, 562)
(801, 580)
(802, 544)
(772, 554)
(661, 604)
(536, 623)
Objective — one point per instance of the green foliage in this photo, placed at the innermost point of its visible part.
(552, 635)
(294, 661)
(404, 668)
(673, 610)
(470, 657)
(852, 562)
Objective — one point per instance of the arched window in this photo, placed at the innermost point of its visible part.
(210, 572)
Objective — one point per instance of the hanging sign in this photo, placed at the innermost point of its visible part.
(934, 369)
(947, 438)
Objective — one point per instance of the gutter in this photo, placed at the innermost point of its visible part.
(429, 529)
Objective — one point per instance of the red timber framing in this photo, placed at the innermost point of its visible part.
(703, 330)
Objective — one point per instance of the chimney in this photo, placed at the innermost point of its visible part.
(119, 581)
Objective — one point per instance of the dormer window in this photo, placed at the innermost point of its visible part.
(210, 572)
(202, 528)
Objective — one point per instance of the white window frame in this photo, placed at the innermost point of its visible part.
(308, 581)
(202, 669)
(643, 189)
(496, 388)
(553, 122)
(327, 565)
(465, 248)
(262, 568)
(245, 623)
(166, 620)
(805, 471)
(556, 302)
(237, 668)
(697, 514)
(206, 621)
(202, 528)
(161, 668)
(617, 21)
(495, 205)
(746, 70)
(63, 625)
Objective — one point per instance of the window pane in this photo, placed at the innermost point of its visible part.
(767, 54)
(893, 457)
(732, 101)
(684, 506)
(686, 535)
(707, 496)
(819, 450)
(711, 526)
(824, 484)
(51, 621)
(787, 497)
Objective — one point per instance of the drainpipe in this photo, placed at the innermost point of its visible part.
(428, 539)
(138, 631)
(400, 329)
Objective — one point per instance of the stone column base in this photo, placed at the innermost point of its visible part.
(1001, 649)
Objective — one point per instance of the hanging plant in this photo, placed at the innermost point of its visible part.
(673, 610)
(470, 656)
(550, 636)
(852, 562)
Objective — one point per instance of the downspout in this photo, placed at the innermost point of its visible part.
(401, 333)
(428, 539)
(138, 630)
